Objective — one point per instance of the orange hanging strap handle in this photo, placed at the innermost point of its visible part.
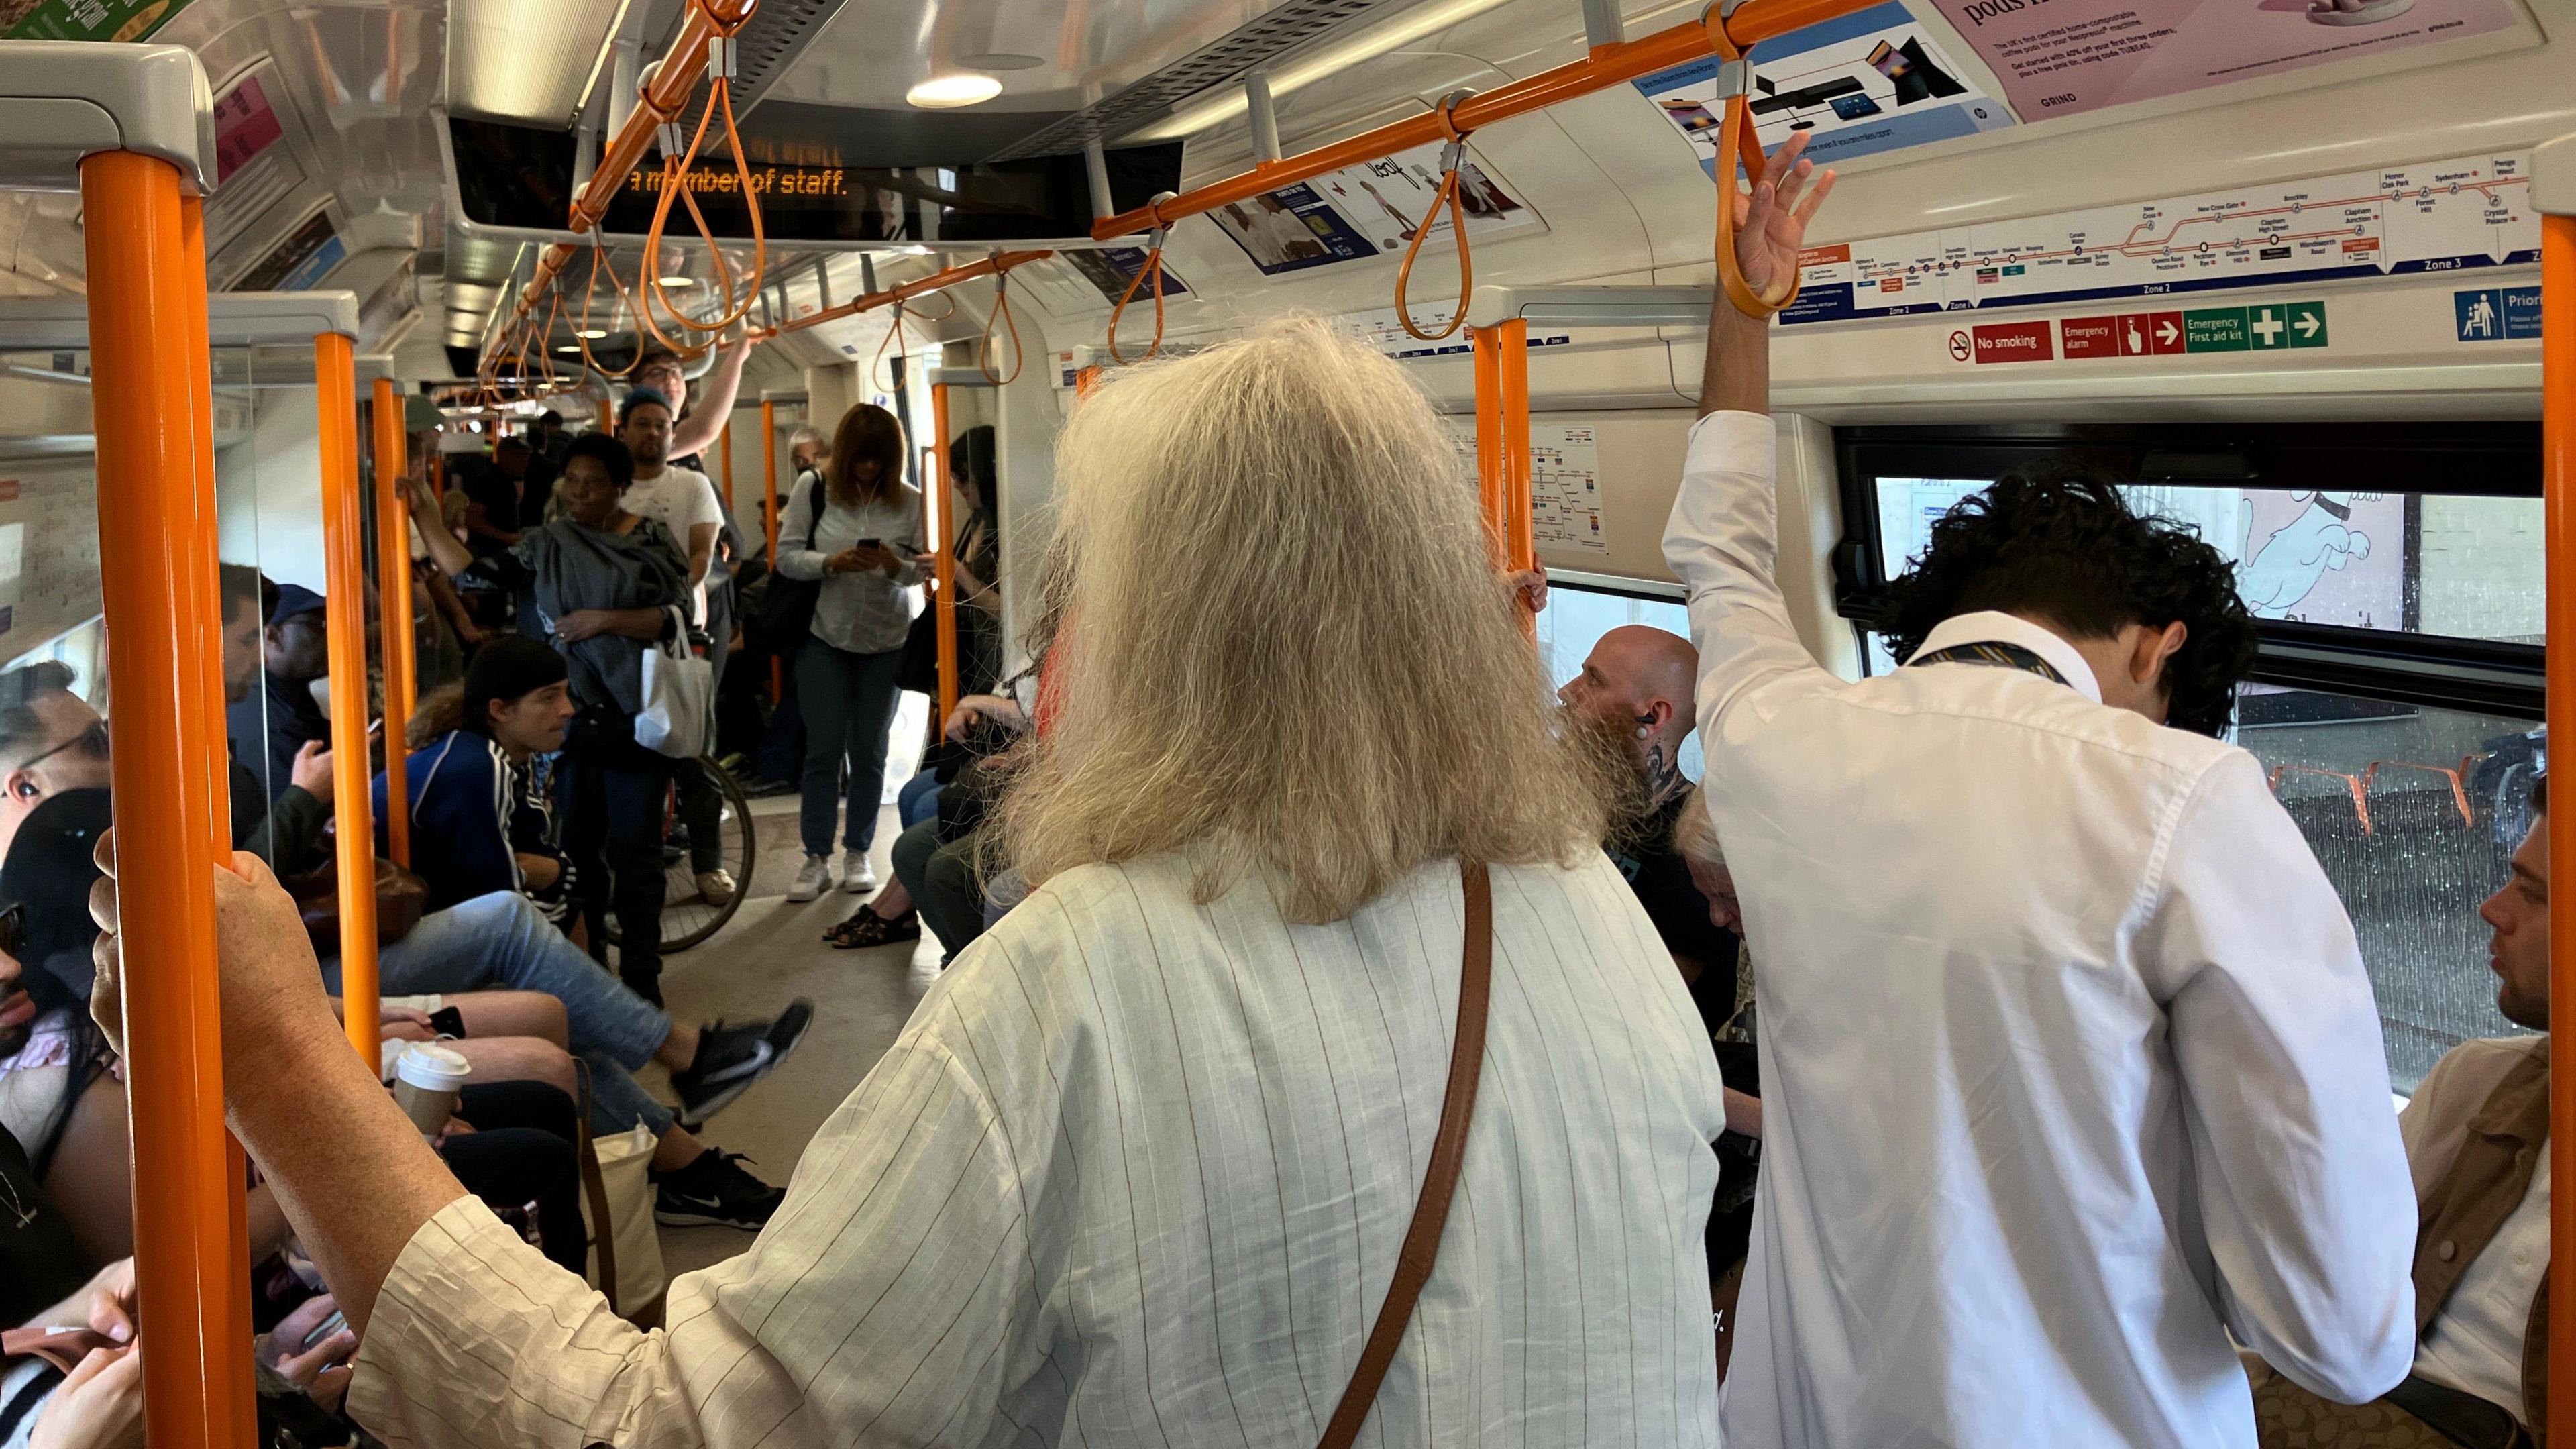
(1447, 194)
(1737, 145)
(676, 161)
(894, 334)
(1001, 313)
(1154, 268)
(590, 288)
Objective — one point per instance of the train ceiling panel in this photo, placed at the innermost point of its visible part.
(510, 60)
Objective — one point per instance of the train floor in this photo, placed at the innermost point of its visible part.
(770, 951)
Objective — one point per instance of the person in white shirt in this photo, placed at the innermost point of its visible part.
(2477, 1137)
(684, 502)
(1139, 1169)
(2071, 1066)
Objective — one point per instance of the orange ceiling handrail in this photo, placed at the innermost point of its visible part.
(663, 96)
(939, 281)
(1611, 65)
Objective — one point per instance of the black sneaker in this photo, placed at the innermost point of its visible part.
(711, 1191)
(731, 1058)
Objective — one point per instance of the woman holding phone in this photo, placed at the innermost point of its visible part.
(860, 533)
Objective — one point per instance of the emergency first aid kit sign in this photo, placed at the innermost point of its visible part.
(2259, 327)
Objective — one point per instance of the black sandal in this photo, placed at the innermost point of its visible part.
(866, 928)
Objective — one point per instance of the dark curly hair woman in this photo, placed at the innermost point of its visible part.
(2056, 544)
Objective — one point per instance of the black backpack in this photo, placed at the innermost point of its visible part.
(785, 612)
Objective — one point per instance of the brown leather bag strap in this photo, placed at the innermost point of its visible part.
(1440, 1184)
(595, 1189)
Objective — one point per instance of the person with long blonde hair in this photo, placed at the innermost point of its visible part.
(1139, 1169)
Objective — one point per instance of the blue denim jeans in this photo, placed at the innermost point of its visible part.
(501, 942)
(848, 702)
(918, 800)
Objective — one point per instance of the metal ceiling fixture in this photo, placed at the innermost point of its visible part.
(1264, 38)
(766, 46)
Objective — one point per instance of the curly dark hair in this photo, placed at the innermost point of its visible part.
(2055, 541)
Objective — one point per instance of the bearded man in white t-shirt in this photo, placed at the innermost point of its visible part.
(684, 501)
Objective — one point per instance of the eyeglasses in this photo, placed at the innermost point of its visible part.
(91, 741)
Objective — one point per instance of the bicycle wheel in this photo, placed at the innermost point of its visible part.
(688, 917)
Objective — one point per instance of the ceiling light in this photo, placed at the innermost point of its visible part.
(961, 88)
(592, 333)
(1227, 102)
(569, 347)
(672, 282)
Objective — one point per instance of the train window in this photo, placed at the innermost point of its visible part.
(1576, 617)
(2395, 573)
(2412, 562)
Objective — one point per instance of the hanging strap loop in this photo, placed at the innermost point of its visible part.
(1737, 145)
(1001, 313)
(1447, 194)
(1154, 268)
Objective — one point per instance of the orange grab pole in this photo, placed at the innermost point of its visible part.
(192, 273)
(344, 550)
(943, 537)
(769, 485)
(157, 579)
(607, 417)
(2558, 474)
(393, 583)
(1611, 65)
(1489, 442)
(938, 281)
(1520, 550)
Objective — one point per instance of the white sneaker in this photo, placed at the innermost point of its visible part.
(812, 878)
(857, 876)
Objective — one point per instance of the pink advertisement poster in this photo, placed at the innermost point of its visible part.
(2061, 57)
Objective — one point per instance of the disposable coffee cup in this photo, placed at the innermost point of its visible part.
(426, 1082)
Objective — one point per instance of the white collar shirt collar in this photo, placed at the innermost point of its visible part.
(1991, 627)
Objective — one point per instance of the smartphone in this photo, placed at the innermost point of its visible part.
(448, 1021)
(331, 1325)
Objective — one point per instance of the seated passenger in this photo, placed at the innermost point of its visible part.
(478, 826)
(269, 728)
(939, 867)
(2071, 1069)
(2477, 1138)
(1294, 734)
(281, 824)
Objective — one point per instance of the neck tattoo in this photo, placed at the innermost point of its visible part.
(1663, 776)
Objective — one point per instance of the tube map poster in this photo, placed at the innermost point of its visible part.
(2064, 57)
(1873, 80)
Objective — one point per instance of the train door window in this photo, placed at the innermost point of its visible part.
(2395, 572)
(1577, 615)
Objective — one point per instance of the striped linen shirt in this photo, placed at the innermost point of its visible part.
(1135, 1174)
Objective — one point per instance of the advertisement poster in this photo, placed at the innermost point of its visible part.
(1110, 269)
(244, 127)
(2063, 57)
(1368, 211)
(300, 262)
(1870, 81)
(84, 19)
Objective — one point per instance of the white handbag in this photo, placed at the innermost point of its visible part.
(625, 1171)
(679, 697)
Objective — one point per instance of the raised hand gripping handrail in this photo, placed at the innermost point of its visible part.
(1736, 143)
(1153, 267)
(1447, 193)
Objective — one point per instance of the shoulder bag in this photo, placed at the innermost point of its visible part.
(1440, 1184)
(786, 612)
